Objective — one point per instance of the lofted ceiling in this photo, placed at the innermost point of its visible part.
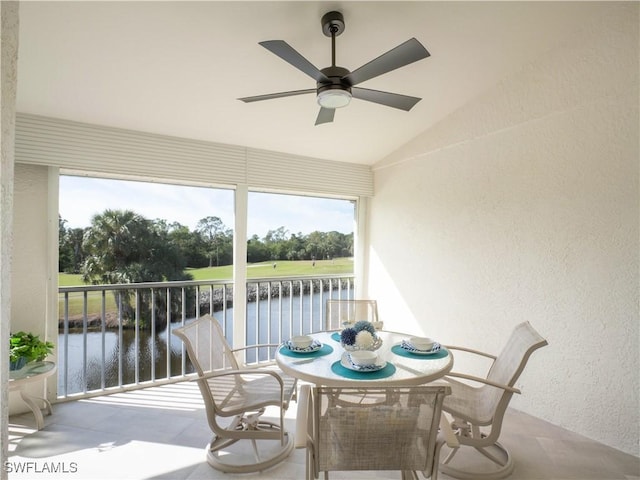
(178, 68)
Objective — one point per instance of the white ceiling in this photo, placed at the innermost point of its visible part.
(177, 68)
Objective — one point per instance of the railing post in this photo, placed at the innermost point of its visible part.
(120, 334)
(153, 334)
(136, 340)
(103, 332)
(84, 341)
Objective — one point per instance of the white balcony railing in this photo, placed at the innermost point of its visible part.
(116, 337)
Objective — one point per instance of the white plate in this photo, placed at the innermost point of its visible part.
(345, 361)
(314, 347)
(410, 348)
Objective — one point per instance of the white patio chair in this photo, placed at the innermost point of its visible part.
(338, 312)
(357, 432)
(478, 411)
(235, 398)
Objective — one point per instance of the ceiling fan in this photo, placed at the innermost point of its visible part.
(335, 86)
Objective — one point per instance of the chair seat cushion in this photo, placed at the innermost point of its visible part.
(234, 393)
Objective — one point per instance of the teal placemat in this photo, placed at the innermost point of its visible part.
(336, 336)
(324, 350)
(388, 370)
(398, 350)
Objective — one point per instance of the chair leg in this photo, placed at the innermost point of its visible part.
(500, 456)
(254, 444)
(214, 460)
(452, 454)
(243, 424)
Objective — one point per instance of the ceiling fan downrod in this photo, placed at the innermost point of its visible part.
(332, 93)
(332, 26)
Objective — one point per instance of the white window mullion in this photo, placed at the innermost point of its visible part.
(240, 266)
(360, 252)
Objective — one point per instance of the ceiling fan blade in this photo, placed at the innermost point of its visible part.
(404, 54)
(325, 115)
(395, 100)
(269, 96)
(290, 55)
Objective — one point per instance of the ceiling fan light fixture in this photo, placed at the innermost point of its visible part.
(334, 98)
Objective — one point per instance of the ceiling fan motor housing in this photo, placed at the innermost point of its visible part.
(338, 89)
(335, 75)
(332, 23)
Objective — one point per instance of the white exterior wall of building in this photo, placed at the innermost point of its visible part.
(34, 299)
(8, 85)
(524, 205)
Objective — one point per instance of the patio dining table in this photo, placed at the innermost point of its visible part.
(328, 366)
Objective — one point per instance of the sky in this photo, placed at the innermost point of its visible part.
(83, 197)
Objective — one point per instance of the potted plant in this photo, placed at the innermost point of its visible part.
(26, 347)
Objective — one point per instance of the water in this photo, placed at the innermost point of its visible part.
(287, 318)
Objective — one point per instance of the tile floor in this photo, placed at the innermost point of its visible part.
(160, 433)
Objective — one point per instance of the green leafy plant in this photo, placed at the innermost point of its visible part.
(29, 346)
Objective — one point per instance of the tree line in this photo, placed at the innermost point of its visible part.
(121, 246)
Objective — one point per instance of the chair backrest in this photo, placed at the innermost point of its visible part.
(207, 348)
(376, 428)
(510, 363)
(340, 311)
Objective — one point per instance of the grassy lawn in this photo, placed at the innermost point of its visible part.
(256, 270)
(284, 268)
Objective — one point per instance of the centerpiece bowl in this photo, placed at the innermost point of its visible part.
(361, 336)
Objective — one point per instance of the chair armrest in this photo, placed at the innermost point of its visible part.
(237, 352)
(484, 381)
(258, 345)
(248, 371)
(470, 350)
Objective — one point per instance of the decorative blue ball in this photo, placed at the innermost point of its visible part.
(348, 336)
(365, 325)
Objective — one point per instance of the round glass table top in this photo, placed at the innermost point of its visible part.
(324, 369)
(31, 370)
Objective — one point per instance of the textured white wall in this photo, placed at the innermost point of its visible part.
(8, 77)
(524, 205)
(30, 276)
(30, 250)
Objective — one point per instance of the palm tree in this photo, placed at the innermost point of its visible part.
(124, 247)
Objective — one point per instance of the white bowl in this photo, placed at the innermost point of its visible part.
(422, 343)
(363, 357)
(301, 341)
